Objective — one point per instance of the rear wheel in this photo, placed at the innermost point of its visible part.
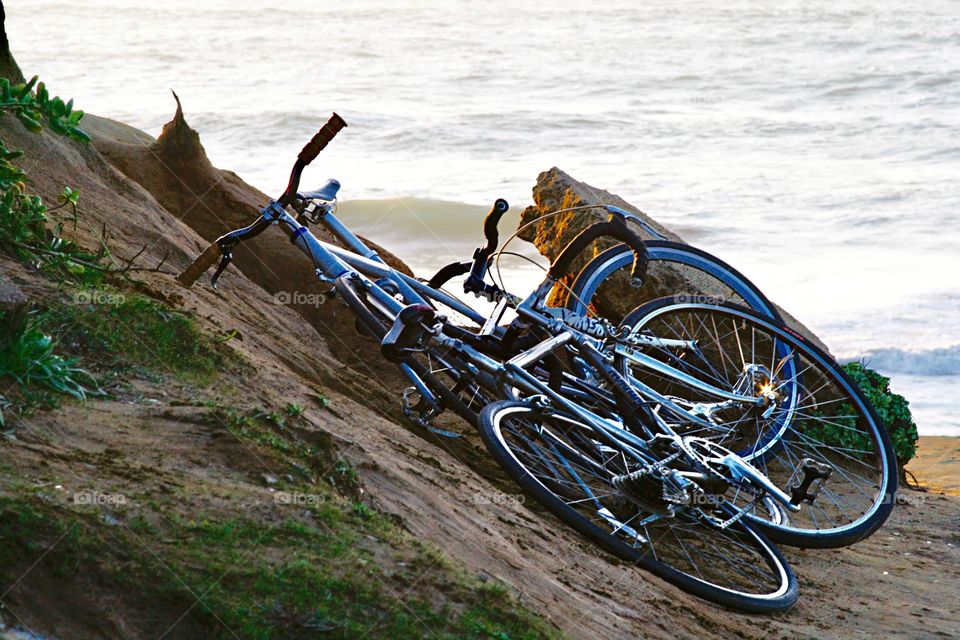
(553, 457)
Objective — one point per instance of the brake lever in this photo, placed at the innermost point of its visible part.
(224, 263)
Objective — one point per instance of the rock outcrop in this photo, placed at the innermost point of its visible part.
(579, 202)
(8, 66)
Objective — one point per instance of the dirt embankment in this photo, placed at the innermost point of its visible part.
(156, 441)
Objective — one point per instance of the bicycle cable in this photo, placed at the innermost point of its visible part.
(520, 229)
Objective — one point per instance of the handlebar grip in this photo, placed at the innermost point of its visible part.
(490, 223)
(445, 274)
(203, 262)
(320, 140)
(614, 227)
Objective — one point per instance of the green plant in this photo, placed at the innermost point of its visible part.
(27, 358)
(133, 329)
(271, 417)
(24, 232)
(293, 410)
(23, 217)
(286, 579)
(892, 408)
(31, 107)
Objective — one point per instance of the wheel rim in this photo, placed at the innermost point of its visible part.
(724, 282)
(684, 272)
(826, 421)
(780, 371)
(551, 451)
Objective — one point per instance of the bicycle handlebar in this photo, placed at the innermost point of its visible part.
(490, 223)
(223, 245)
(478, 267)
(615, 227)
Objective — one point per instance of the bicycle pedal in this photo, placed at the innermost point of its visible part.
(808, 488)
(420, 412)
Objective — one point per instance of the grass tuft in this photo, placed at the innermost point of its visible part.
(136, 330)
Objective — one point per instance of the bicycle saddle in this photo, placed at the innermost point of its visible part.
(327, 192)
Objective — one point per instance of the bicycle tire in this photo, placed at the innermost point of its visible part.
(780, 600)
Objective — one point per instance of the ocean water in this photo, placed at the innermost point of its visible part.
(815, 145)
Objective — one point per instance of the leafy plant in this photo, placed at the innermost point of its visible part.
(27, 358)
(31, 108)
(893, 409)
(841, 430)
(293, 410)
(23, 217)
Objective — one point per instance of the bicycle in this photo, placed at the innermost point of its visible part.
(657, 456)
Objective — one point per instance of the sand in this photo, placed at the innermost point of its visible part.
(937, 465)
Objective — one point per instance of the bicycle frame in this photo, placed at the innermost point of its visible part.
(358, 261)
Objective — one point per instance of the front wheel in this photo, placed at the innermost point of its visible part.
(553, 457)
(805, 411)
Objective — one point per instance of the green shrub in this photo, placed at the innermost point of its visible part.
(841, 429)
(24, 216)
(893, 409)
(31, 107)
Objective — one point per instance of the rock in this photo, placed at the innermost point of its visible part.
(176, 171)
(106, 128)
(556, 190)
(110, 521)
(13, 306)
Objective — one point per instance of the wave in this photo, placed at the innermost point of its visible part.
(927, 362)
(426, 225)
